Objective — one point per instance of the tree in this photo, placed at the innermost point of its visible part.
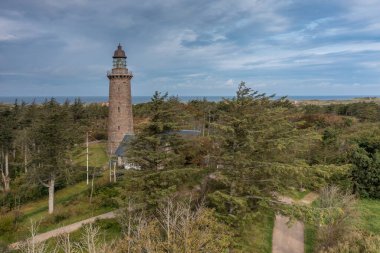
(7, 125)
(366, 160)
(253, 135)
(157, 145)
(52, 138)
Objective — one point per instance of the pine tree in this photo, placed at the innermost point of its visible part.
(7, 136)
(258, 145)
(157, 145)
(52, 139)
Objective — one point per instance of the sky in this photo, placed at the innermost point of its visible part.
(194, 47)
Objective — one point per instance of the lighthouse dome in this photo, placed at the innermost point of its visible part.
(119, 52)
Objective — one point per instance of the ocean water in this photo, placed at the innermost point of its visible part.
(144, 99)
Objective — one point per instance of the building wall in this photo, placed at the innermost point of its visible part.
(120, 117)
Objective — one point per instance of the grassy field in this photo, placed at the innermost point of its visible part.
(331, 102)
(369, 210)
(97, 155)
(71, 203)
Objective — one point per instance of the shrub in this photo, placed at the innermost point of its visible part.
(356, 242)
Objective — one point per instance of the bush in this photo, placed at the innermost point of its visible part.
(339, 217)
(366, 172)
(356, 242)
(106, 196)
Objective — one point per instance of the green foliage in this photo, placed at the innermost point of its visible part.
(363, 111)
(158, 145)
(151, 188)
(52, 139)
(107, 196)
(7, 128)
(366, 160)
(251, 133)
(229, 208)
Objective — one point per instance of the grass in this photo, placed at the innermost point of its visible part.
(310, 236)
(369, 210)
(296, 194)
(68, 201)
(257, 234)
(97, 155)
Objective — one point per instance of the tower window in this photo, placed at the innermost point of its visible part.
(118, 109)
(118, 127)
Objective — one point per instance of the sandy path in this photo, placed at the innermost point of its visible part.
(290, 238)
(66, 229)
(287, 239)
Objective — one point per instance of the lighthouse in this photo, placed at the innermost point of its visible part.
(120, 117)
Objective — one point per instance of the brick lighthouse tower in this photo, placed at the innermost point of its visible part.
(120, 118)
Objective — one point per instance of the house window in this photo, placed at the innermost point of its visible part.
(118, 127)
(118, 109)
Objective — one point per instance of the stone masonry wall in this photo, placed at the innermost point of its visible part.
(120, 117)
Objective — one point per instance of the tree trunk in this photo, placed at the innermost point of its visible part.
(51, 195)
(5, 175)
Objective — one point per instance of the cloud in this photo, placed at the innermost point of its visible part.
(190, 46)
(11, 29)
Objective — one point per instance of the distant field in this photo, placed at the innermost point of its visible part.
(329, 102)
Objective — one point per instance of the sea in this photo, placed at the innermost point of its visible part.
(144, 99)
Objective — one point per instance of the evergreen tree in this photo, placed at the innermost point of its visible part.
(258, 147)
(51, 136)
(7, 136)
(157, 145)
(366, 160)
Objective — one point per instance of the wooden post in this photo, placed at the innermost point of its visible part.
(92, 185)
(110, 167)
(114, 172)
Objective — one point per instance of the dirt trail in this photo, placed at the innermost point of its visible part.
(66, 229)
(290, 238)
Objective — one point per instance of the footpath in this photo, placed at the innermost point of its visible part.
(290, 239)
(66, 229)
